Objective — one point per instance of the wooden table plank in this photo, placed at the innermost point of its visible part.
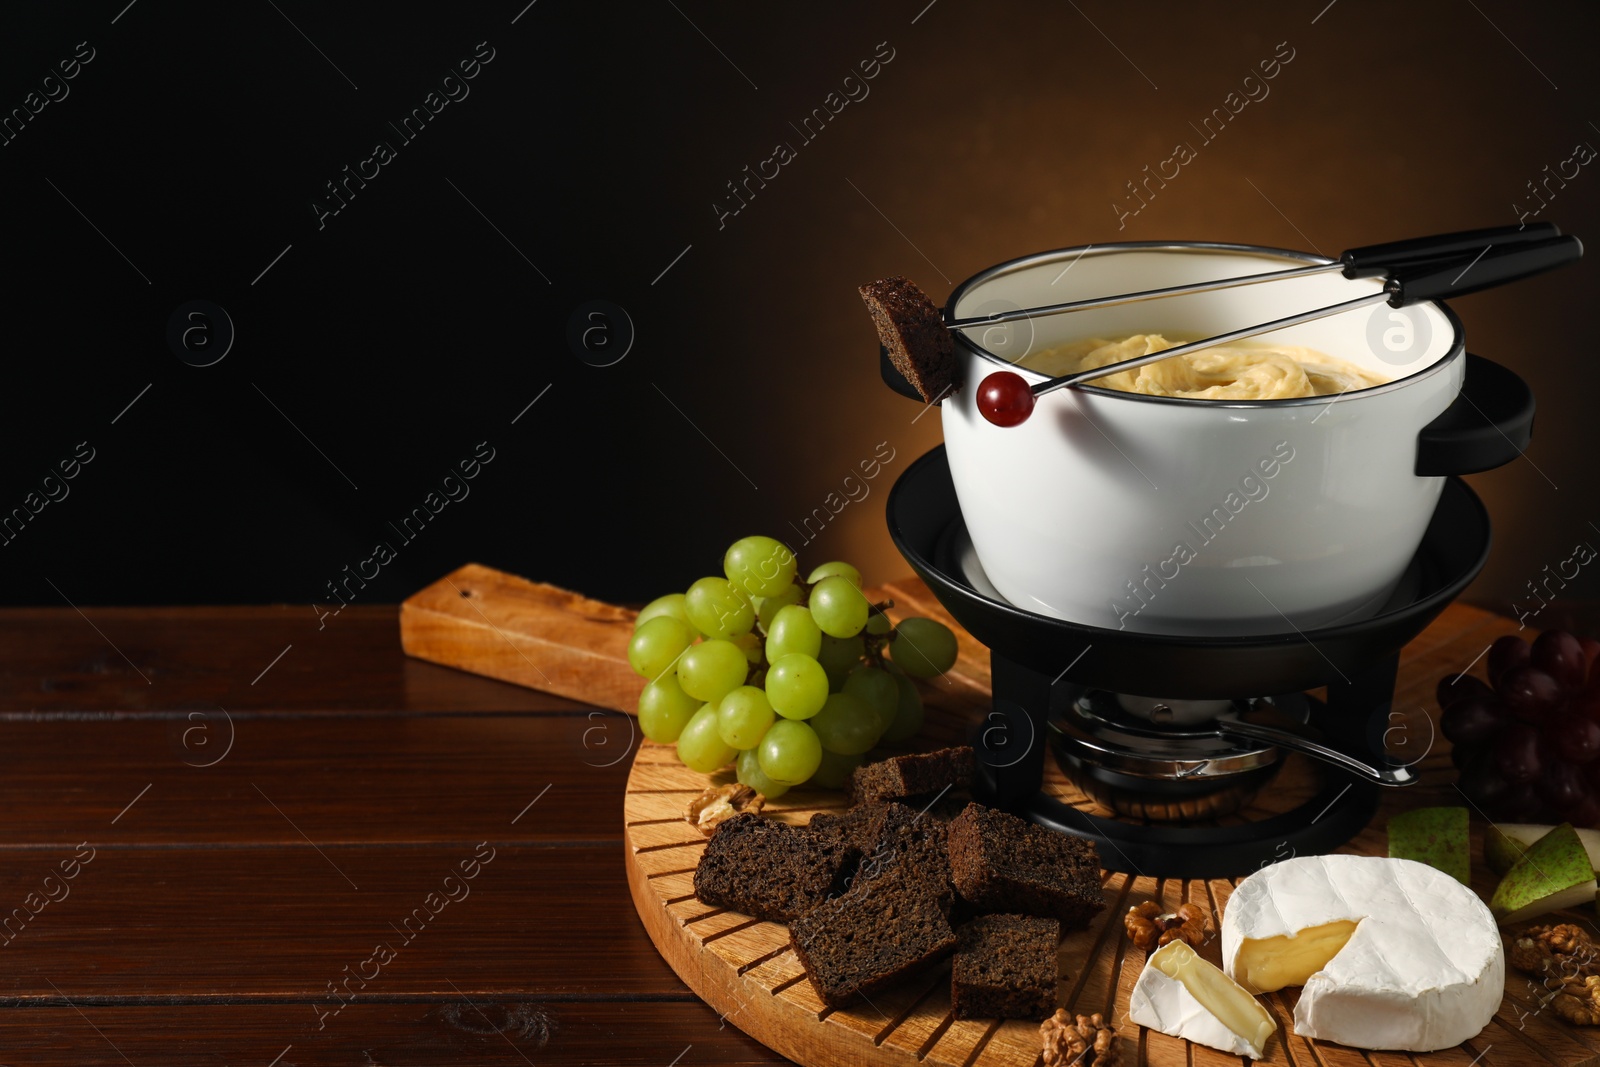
(54, 660)
(206, 913)
(290, 922)
(335, 779)
(484, 1033)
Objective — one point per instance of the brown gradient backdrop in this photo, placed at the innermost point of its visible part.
(1001, 129)
(377, 351)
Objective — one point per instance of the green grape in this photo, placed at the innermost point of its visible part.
(751, 774)
(877, 690)
(797, 686)
(743, 717)
(846, 725)
(717, 609)
(672, 604)
(835, 770)
(664, 709)
(839, 656)
(700, 746)
(767, 607)
(839, 607)
(750, 645)
(790, 753)
(923, 647)
(759, 566)
(908, 715)
(657, 645)
(837, 567)
(710, 670)
(793, 630)
(878, 623)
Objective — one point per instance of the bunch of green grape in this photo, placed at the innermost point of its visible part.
(795, 681)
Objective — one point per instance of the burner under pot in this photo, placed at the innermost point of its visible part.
(1160, 760)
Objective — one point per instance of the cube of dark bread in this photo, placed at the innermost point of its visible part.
(895, 834)
(768, 869)
(1005, 968)
(913, 333)
(879, 835)
(917, 775)
(889, 926)
(852, 828)
(1001, 863)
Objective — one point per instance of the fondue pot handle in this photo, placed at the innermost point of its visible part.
(1488, 425)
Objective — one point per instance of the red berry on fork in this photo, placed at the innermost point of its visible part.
(1005, 399)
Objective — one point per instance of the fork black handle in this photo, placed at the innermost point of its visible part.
(1373, 261)
(1434, 280)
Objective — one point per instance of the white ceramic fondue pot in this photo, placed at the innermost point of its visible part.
(1200, 517)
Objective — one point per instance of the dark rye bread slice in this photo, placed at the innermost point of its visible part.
(1001, 863)
(878, 835)
(858, 826)
(920, 774)
(1005, 968)
(889, 926)
(896, 834)
(767, 869)
(911, 329)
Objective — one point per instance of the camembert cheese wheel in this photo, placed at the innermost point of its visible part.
(1391, 953)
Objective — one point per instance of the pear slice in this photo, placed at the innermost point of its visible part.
(1438, 837)
(1554, 873)
(1504, 843)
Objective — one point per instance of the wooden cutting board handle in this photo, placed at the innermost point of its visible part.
(489, 622)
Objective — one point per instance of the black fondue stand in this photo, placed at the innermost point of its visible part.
(1041, 665)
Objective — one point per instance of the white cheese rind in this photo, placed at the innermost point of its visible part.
(1424, 970)
(1163, 1003)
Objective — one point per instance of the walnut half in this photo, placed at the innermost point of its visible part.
(716, 805)
(1579, 1001)
(1149, 928)
(1084, 1041)
(1567, 962)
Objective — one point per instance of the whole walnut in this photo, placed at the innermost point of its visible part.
(1149, 929)
(1078, 1041)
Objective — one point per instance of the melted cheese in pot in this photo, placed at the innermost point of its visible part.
(1240, 371)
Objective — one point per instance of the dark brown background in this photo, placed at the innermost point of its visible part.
(408, 329)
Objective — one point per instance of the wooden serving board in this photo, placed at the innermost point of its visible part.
(489, 622)
(747, 972)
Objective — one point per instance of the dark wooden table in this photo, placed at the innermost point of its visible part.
(269, 830)
(231, 837)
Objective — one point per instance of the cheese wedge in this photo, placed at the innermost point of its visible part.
(1181, 994)
(1391, 953)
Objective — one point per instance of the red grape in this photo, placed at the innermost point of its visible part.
(1469, 723)
(1558, 654)
(1509, 651)
(1591, 650)
(1482, 783)
(1587, 813)
(1516, 753)
(1454, 687)
(1571, 738)
(1561, 787)
(1521, 804)
(1005, 399)
(1530, 693)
